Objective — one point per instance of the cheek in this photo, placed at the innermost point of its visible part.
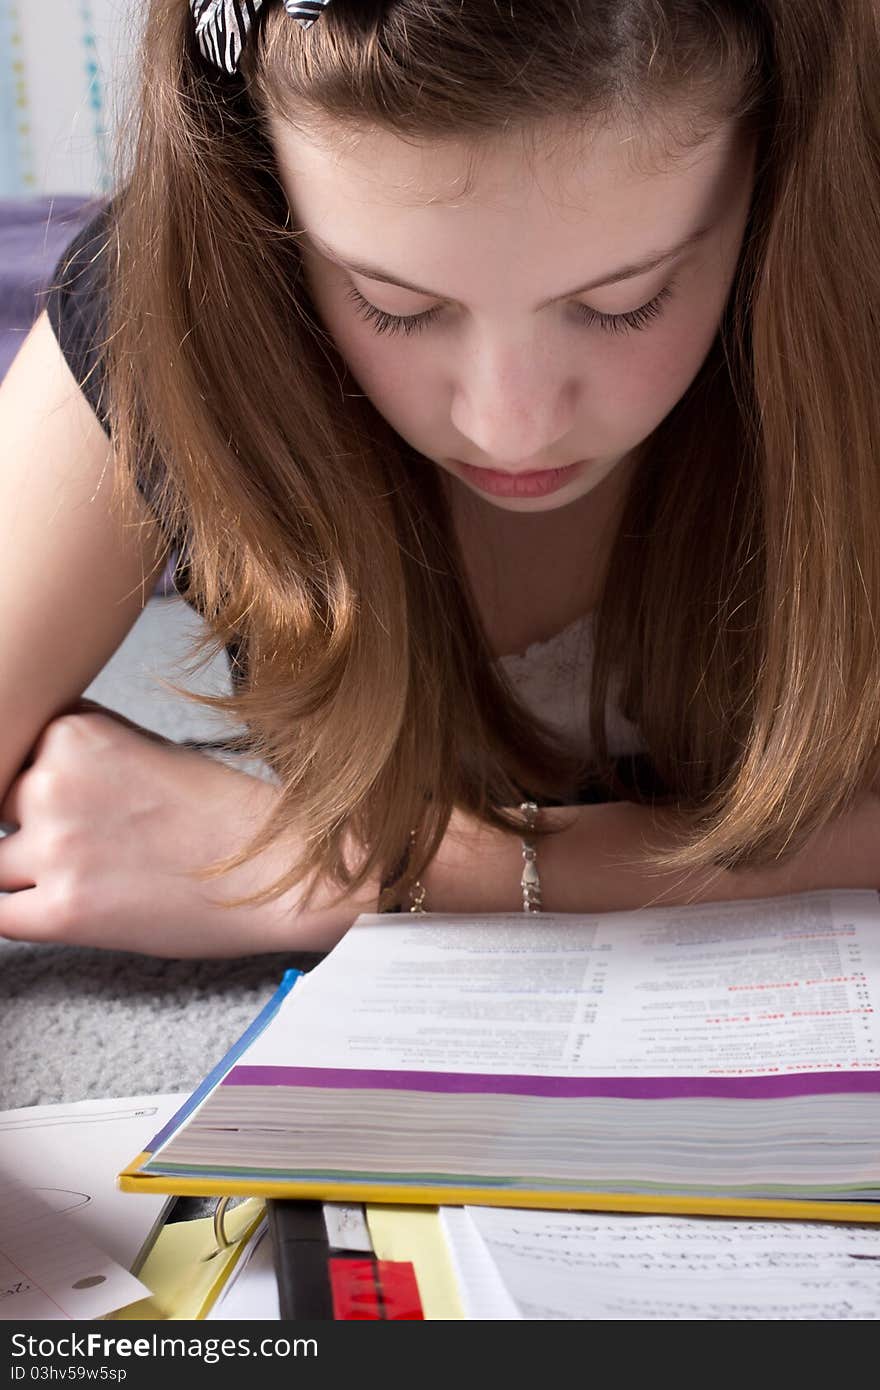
(385, 372)
(639, 384)
(381, 365)
(384, 368)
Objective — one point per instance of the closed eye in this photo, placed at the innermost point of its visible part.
(390, 323)
(635, 319)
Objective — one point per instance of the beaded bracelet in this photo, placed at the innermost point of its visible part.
(530, 883)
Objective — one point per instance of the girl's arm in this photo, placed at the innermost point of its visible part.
(599, 863)
(72, 579)
(114, 821)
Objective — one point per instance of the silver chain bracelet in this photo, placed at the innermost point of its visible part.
(530, 883)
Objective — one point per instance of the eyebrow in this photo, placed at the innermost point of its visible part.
(626, 272)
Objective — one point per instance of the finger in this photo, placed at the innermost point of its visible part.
(11, 811)
(22, 917)
(24, 798)
(80, 706)
(55, 735)
(14, 859)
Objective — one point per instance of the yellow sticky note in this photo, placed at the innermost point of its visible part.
(414, 1234)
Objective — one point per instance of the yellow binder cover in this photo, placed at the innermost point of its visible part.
(131, 1179)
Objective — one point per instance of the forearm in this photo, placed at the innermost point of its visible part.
(293, 920)
(600, 863)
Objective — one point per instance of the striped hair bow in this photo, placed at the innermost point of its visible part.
(222, 26)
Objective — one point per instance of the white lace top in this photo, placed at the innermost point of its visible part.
(553, 679)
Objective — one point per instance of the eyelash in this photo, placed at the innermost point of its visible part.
(608, 323)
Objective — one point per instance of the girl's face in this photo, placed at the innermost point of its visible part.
(528, 333)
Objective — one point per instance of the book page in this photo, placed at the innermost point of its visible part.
(577, 1265)
(732, 989)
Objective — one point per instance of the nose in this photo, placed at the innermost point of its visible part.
(514, 409)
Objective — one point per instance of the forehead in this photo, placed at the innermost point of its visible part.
(571, 164)
(515, 205)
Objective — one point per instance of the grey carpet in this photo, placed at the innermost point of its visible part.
(77, 1023)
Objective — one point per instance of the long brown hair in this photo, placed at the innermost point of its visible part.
(741, 597)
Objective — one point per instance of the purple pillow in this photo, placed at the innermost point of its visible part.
(33, 234)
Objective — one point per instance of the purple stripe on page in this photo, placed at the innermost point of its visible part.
(622, 1087)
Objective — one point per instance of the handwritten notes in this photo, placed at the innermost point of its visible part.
(48, 1269)
(581, 1265)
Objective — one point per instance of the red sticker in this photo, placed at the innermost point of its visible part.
(355, 1290)
(400, 1292)
(372, 1290)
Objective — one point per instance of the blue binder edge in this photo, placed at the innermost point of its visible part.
(215, 1076)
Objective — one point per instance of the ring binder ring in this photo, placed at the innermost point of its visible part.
(220, 1236)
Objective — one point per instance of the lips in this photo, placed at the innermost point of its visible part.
(539, 483)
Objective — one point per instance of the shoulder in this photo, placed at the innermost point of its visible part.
(76, 299)
(78, 280)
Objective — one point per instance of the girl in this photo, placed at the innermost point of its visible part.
(501, 378)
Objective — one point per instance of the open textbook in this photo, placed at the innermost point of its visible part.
(713, 1058)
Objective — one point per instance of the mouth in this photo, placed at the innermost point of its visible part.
(537, 484)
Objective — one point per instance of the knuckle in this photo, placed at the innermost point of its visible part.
(69, 729)
(42, 786)
(62, 727)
